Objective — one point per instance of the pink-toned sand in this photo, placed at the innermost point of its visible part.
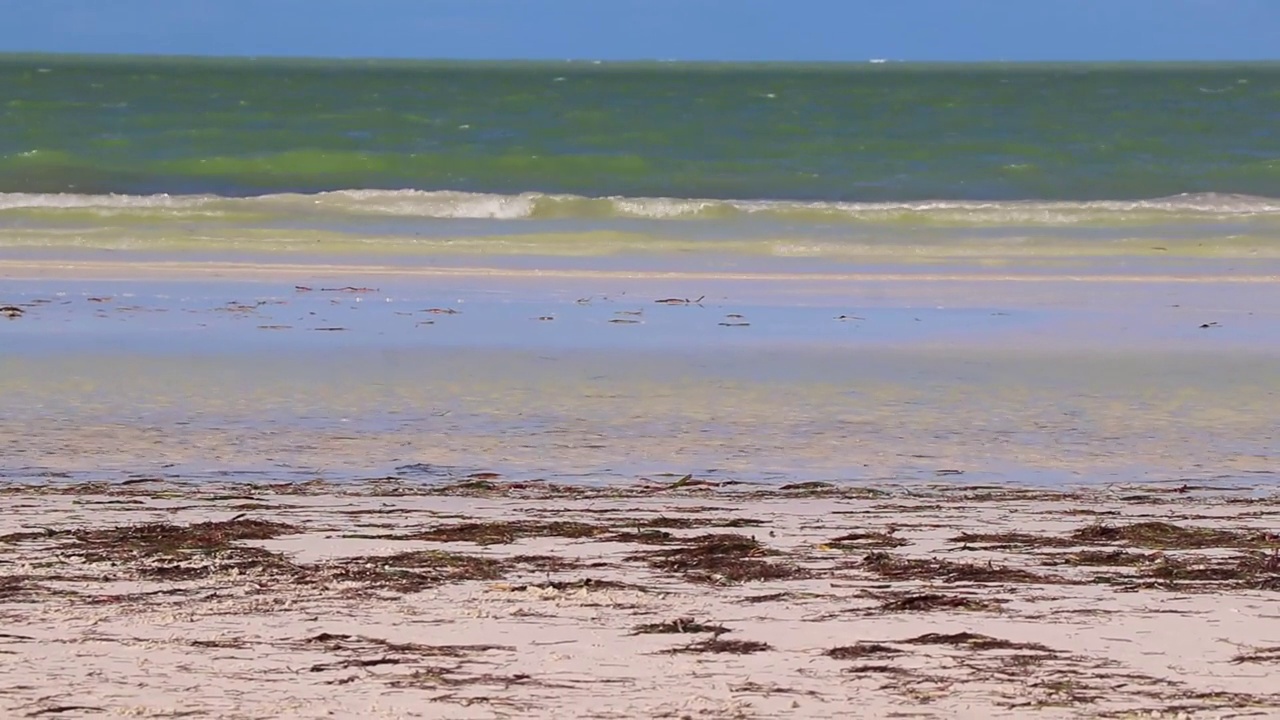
(1116, 602)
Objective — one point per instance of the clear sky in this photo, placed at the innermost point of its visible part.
(822, 30)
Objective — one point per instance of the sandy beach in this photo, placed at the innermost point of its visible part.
(661, 597)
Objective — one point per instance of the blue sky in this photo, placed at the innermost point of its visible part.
(822, 30)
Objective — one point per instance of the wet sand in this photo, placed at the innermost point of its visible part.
(1131, 307)
(597, 416)
(351, 371)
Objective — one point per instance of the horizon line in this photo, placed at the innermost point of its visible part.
(873, 61)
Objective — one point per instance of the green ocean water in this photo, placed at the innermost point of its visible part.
(581, 158)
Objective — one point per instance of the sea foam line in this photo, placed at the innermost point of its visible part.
(446, 204)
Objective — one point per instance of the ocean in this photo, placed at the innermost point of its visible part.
(834, 163)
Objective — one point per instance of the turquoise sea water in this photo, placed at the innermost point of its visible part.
(844, 161)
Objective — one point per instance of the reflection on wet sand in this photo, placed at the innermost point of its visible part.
(116, 367)
(742, 414)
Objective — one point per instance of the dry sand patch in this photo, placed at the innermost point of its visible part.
(689, 599)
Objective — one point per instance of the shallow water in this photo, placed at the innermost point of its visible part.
(1047, 381)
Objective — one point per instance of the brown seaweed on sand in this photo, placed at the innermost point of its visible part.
(503, 532)
(151, 539)
(928, 602)
(861, 650)
(678, 626)
(865, 540)
(1258, 655)
(1166, 536)
(721, 559)
(414, 571)
(896, 567)
(720, 645)
(973, 641)
(1011, 540)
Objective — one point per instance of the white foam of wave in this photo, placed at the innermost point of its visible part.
(1036, 211)
(418, 203)
(451, 204)
(490, 206)
(74, 201)
(664, 208)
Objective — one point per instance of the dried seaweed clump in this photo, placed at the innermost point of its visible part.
(413, 571)
(19, 588)
(866, 540)
(1166, 536)
(333, 642)
(1011, 540)
(721, 559)
(1258, 655)
(504, 532)
(1103, 558)
(974, 641)
(678, 626)
(862, 650)
(896, 567)
(928, 602)
(152, 539)
(1251, 571)
(663, 521)
(719, 645)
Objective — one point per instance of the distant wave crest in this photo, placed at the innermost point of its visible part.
(467, 205)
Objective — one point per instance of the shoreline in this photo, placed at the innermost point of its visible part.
(122, 270)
